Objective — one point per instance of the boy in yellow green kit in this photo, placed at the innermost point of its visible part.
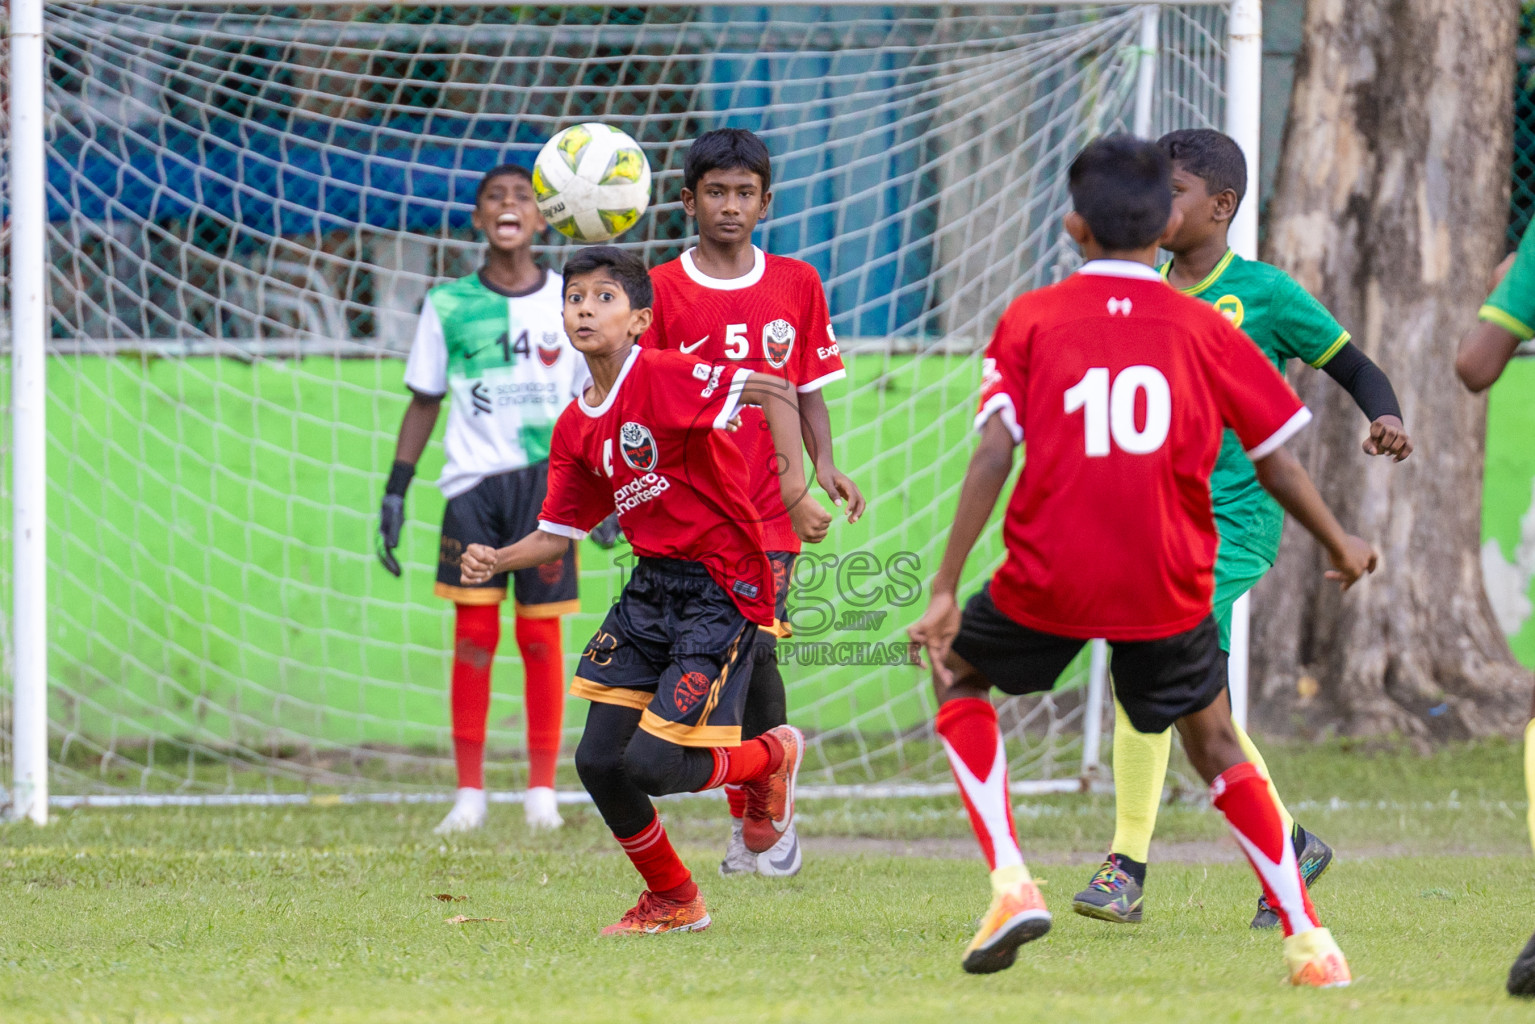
(1209, 181)
(1506, 319)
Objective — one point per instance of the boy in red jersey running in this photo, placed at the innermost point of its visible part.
(1122, 386)
(667, 673)
(726, 301)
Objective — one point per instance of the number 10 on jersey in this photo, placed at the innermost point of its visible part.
(1109, 411)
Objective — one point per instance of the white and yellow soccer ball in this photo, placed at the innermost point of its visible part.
(592, 182)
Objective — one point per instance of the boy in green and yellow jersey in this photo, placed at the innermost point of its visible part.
(1209, 180)
(1506, 319)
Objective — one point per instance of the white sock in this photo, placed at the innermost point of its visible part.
(541, 808)
(468, 812)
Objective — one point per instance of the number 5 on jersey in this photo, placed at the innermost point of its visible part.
(1110, 411)
(736, 345)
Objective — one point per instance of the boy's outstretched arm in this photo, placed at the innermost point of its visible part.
(1486, 348)
(990, 466)
(1371, 390)
(1286, 479)
(1484, 352)
(481, 561)
(780, 407)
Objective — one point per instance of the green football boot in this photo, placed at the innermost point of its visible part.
(1111, 895)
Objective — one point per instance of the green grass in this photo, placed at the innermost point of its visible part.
(329, 914)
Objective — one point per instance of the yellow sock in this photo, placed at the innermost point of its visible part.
(1529, 775)
(1006, 878)
(1140, 768)
(1257, 759)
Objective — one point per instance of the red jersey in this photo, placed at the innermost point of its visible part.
(657, 450)
(773, 320)
(1121, 387)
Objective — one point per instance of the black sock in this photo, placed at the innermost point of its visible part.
(1297, 839)
(1134, 868)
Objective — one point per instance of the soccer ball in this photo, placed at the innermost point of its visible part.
(592, 182)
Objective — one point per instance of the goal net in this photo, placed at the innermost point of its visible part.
(247, 205)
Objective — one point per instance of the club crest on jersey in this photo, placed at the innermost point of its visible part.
(638, 447)
(549, 349)
(1230, 307)
(778, 342)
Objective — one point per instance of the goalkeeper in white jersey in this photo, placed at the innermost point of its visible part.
(494, 343)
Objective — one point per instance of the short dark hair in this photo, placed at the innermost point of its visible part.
(627, 269)
(727, 149)
(1122, 186)
(500, 170)
(1210, 156)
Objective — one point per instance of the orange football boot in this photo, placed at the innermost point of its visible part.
(653, 915)
(1315, 960)
(1017, 915)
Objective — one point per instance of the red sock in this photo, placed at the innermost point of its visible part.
(735, 796)
(544, 688)
(1242, 795)
(476, 632)
(653, 857)
(750, 761)
(968, 727)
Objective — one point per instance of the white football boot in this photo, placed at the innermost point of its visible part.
(738, 859)
(783, 860)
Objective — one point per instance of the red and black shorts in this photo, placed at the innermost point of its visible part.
(676, 648)
(498, 511)
(1157, 681)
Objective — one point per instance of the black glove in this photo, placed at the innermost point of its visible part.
(391, 515)
(606, 534)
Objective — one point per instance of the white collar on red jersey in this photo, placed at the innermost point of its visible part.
(595, 411)
(751, 277)
(1120, 268)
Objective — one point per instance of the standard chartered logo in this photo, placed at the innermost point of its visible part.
(638, 491)
(490, 394)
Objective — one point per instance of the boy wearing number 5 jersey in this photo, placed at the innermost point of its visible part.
(1122, 388)
(728, 302)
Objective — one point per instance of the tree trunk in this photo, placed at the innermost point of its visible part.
(1390, 207)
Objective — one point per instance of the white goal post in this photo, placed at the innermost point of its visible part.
(1094, 67)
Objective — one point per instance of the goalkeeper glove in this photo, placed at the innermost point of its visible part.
(606, 534)
(391, 516)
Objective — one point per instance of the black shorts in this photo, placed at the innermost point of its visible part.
(676, 647)
(1157, 681)
(498, 511)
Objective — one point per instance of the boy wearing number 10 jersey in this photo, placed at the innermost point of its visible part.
(1122, 387)
(1209, 176)
(729, 303)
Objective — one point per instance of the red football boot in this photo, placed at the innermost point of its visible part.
(770, 800)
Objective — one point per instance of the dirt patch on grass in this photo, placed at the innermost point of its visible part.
(1221, 851)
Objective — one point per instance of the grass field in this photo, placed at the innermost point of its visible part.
(329, 915)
